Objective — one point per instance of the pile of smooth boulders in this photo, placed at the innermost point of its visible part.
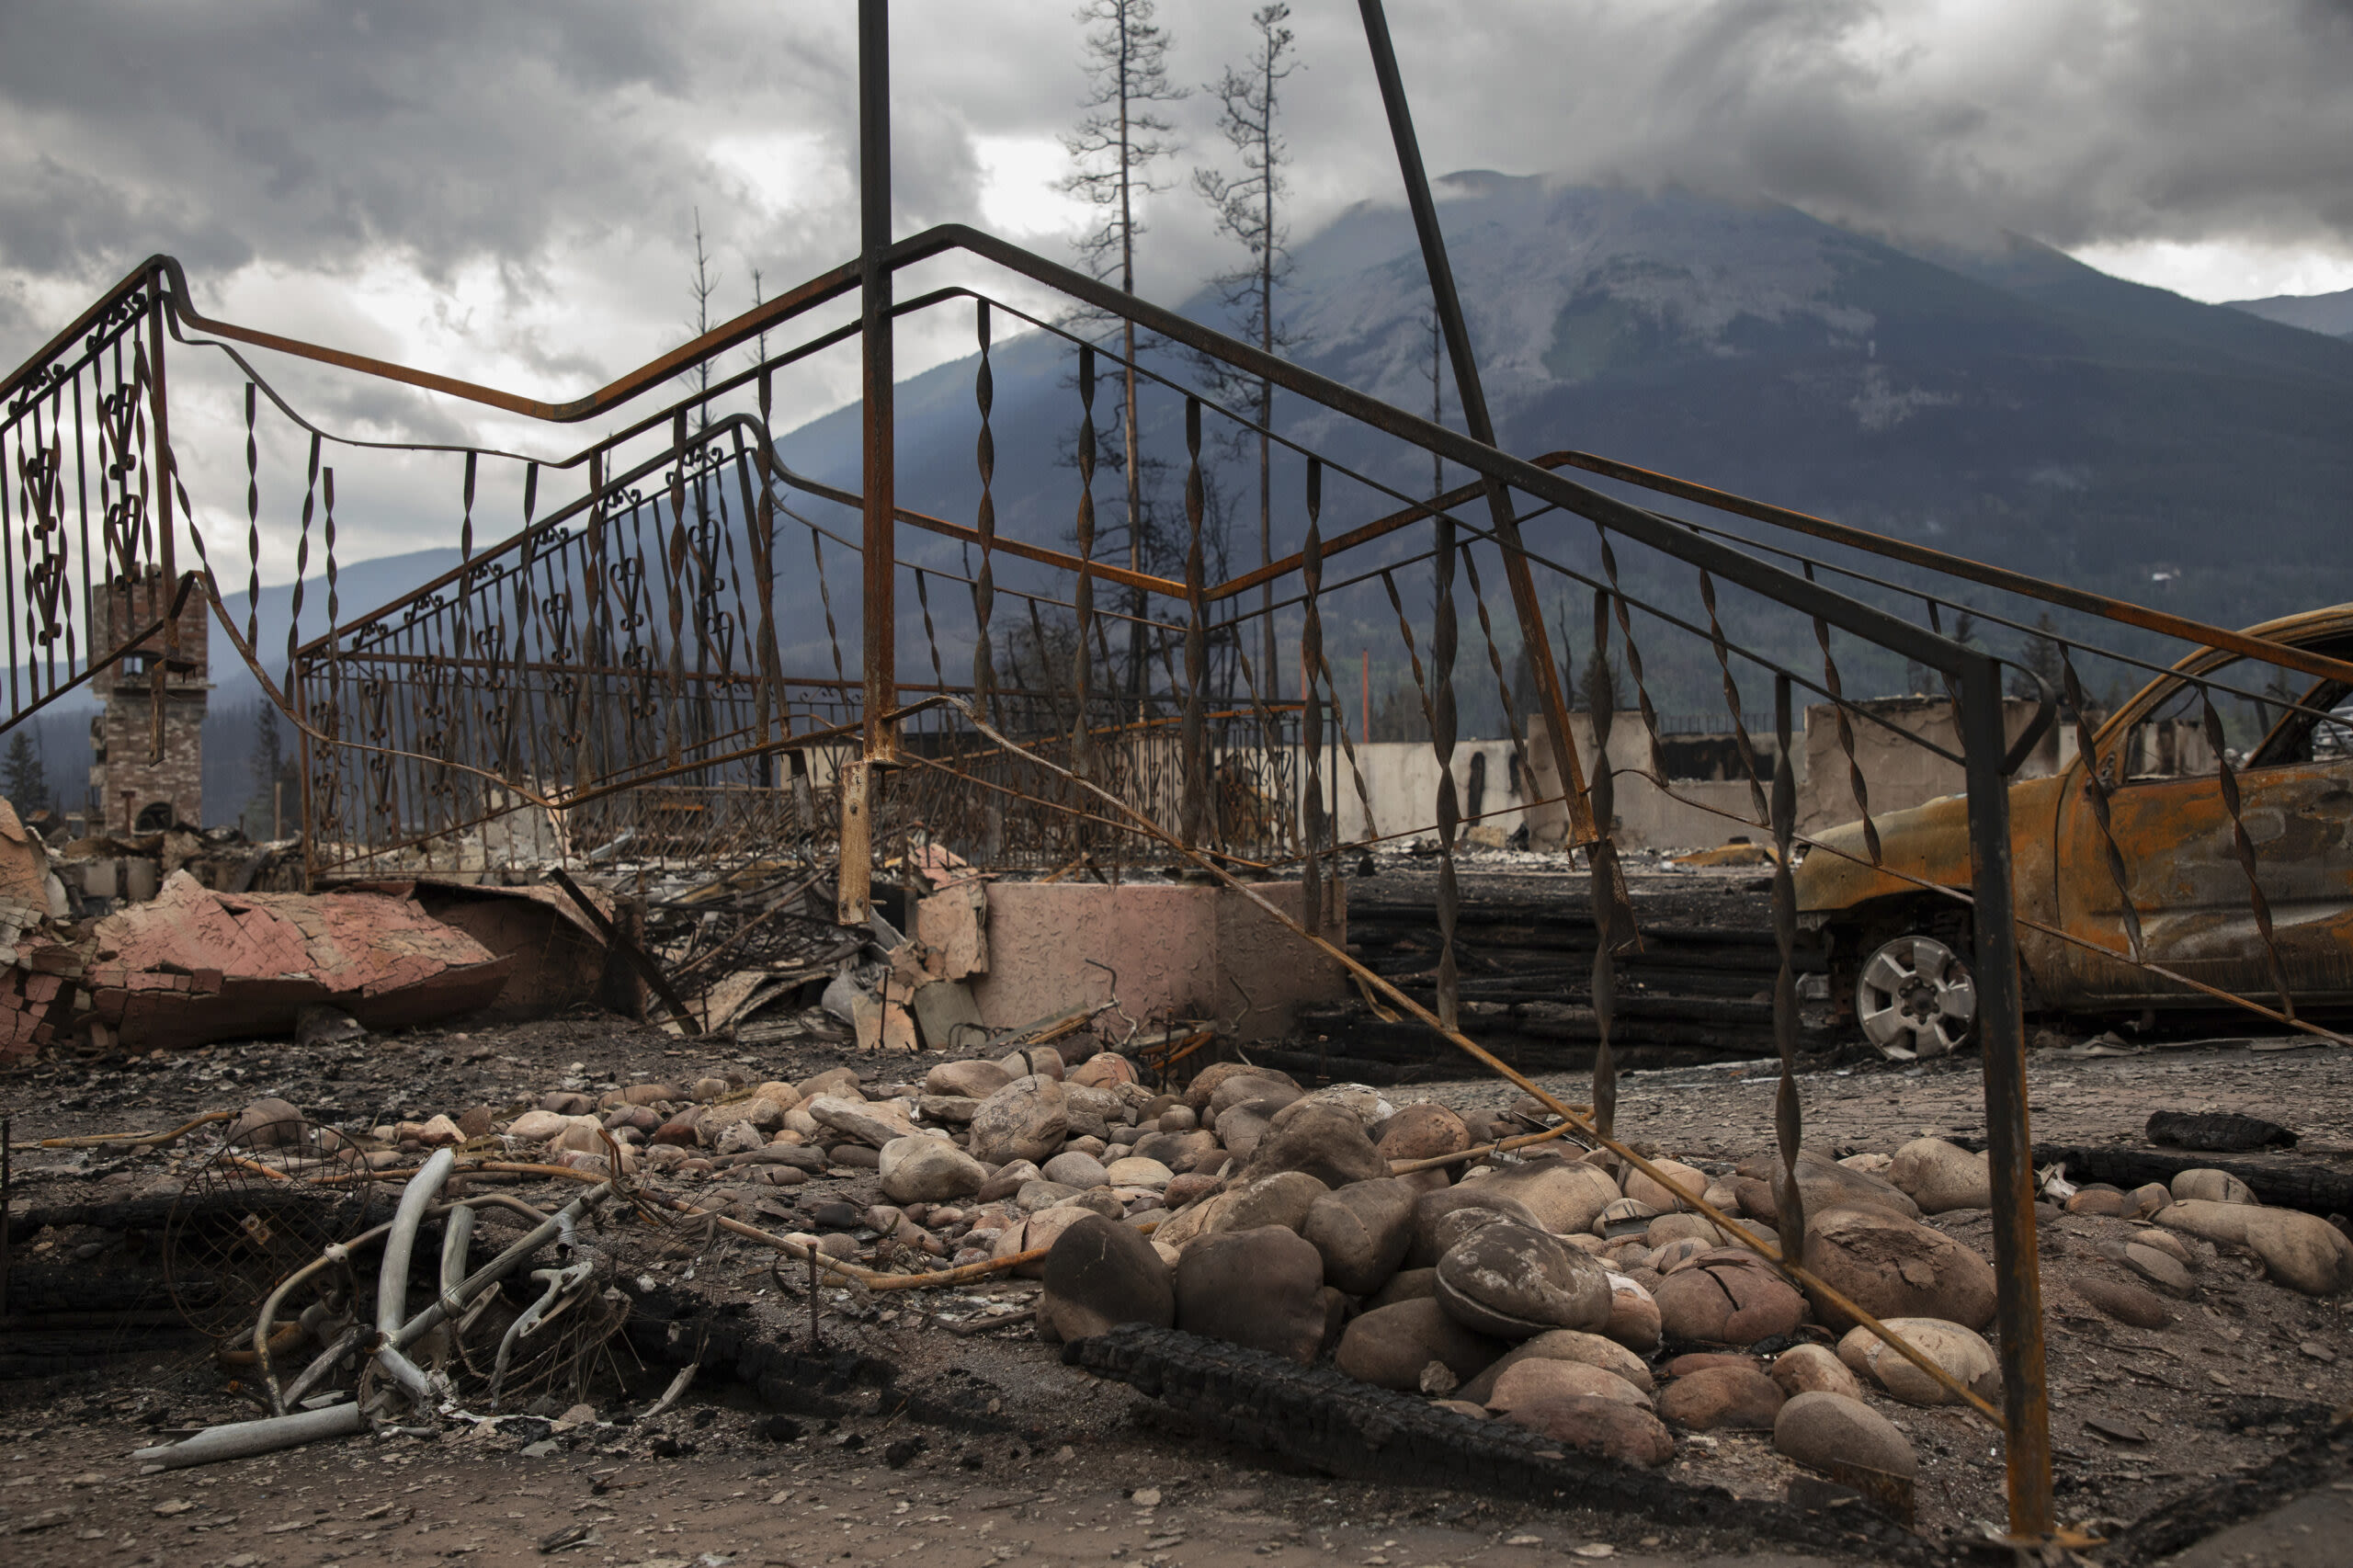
(1559, 1288)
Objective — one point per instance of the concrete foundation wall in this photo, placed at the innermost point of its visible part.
(1179, 952)
(1898, 772)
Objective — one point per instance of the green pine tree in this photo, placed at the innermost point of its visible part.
(23, 779)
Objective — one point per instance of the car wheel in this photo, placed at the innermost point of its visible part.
(1914, 997)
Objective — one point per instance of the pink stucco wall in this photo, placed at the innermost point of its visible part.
(1179, 952)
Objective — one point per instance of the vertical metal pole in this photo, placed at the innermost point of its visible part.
(2009, 1144)
(1311, 717)
(1194, 744)
(1789, 1122)
(1533, 637)
(880, 644)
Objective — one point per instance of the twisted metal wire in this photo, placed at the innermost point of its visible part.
(1789, 1127)
(2096, 791)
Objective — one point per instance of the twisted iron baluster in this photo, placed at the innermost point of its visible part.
(930, 633)
(826, 597)
(2226, 781)
(774, 724)
(1082, 600)
(1503, 682)
(326, 538)
(589, 722)
(466, 524)
(330, 786)
(1197, 658)
(1449, 810)
(8, 528)
(2095, 793)
(1846, 736)
(1349, 746)
(1788, 1128)
(1634, 662)
(1311, 641)
(673, 563)
(1413, 652)
(1601, 788)
(82, 495)
(253, 526)
(985, 524)
(301, 564)
(518, 694)
(1732, 698)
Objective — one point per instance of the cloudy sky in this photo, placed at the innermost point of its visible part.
(508, 192)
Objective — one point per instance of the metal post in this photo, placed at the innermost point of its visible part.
(1533, 636)
(2001, 1033)
(880, 644)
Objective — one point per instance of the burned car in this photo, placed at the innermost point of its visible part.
(1899, 951)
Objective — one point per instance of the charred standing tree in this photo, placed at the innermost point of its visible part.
(1248, 208)
(1122, 134)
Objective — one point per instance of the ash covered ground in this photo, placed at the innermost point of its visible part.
(941, 1439)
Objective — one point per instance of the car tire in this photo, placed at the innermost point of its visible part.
(1915, 996)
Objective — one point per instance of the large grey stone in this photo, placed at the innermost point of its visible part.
(1565, 1195)
(1023, 1120)
(1423, 1132)
(1433, 1232)
(929, 1170)
(1564, 1345)
(1529, 1382)
(1363, 1231)
(268, 1124)
(1891, 1266)
(1099, 1274)
(1959, 1351)
(1728, 1296)
(870, 1123)
(1262, 1289)
(2302, 1251)
(1823, 1182)
(1515, 1281)
(1389, 1345)
(1075, 1170)
(1253, 1088)
(1606, 1428)
(2205, 1185)
(1939, 1177)
(1717, 1397)
(1324, 1140)
(966, 1079)
(1824, 1431)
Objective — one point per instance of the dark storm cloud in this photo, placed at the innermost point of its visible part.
(334, 138)
(2074, 120)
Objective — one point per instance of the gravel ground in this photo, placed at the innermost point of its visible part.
(1045, 1463)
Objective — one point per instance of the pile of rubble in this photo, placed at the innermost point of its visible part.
(1547, 1286)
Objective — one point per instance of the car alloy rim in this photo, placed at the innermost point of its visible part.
(1914, 997)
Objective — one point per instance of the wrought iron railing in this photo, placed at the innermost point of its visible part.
(610, 678)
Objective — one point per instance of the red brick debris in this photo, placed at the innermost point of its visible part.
(194, 966)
